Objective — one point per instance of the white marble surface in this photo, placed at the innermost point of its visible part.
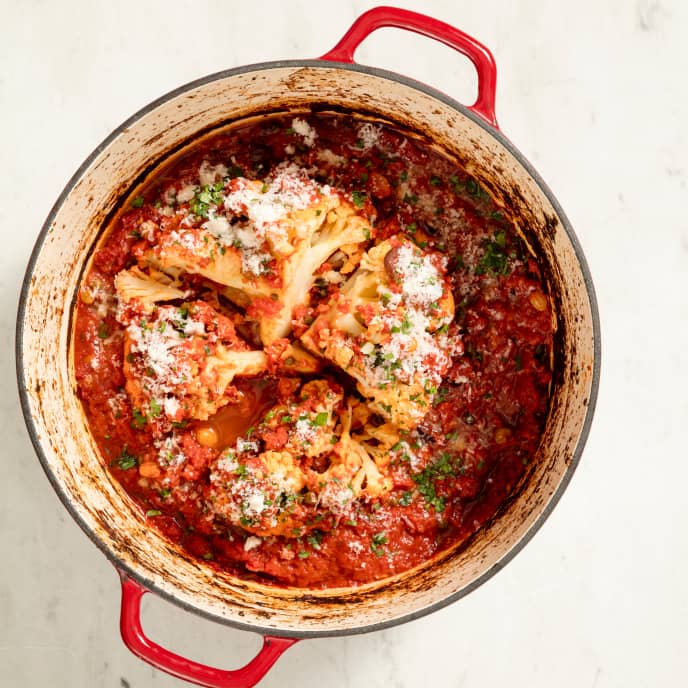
(593, 93)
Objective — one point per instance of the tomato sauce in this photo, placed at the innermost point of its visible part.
(446, 478)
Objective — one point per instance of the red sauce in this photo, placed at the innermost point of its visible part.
(478, 435)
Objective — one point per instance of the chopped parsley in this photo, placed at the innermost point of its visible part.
(137, 202)
(494, 259)
(377, 541)
(126, 460)
(358, 198)
(139, 419)
(444, 467)
(207, 195)
(475, 190)
(315, 539)
(153, 512)
(406, 498)
(321, 419)
(154, 409)
(241, 470)
(103, 330)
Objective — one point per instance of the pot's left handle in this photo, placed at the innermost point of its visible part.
(181, 667)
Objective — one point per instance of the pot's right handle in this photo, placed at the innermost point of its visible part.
(181, 667)
(476, 52)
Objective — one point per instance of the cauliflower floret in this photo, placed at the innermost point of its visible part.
(260, 493)
(262, 490)
(179, 362)
(135, 284)
(353, 472)
(314, 418)
(287, 358)
(263, 242)
(303, 424)
(387, 329)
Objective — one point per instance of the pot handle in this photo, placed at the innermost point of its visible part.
(476, 52)
(200, 674)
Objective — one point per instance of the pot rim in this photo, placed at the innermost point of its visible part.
(383, 74)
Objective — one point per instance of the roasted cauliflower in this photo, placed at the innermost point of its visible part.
(300, 461)
(259, 493)
(387, 326)
(262, 241)
(179, 361)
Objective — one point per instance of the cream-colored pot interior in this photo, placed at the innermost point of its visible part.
(57, 421)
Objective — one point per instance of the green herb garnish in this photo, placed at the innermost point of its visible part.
(139, 421)
(378, 540)
(241, 470)
(406, 498)
(358, 198)
(126, 460)
(494, 259)
(321, 419)
(154, 409)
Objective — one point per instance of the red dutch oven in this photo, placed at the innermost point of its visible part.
(56, 422)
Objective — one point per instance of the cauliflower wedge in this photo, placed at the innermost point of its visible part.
(299, 469)
(256, 483)
(355, 471)
(263, 241)
(387, 328)
(179, 361)
(260, 494)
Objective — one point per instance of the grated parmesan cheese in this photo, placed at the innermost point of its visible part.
(243, 445)
(170, 406)
(255, 263)
(290, 189)
(169, 451)
(219, 227)
(254, 503)
(336, 498)
(368, 135)
(192, 327)
(251, 543)
(304, 430)
(421, 282)
(330, 158)
(228, 462)
(186, 193)
(303, 129)
(186, 239)
(209, 174)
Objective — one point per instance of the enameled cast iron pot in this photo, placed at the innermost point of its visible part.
(56, 420)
